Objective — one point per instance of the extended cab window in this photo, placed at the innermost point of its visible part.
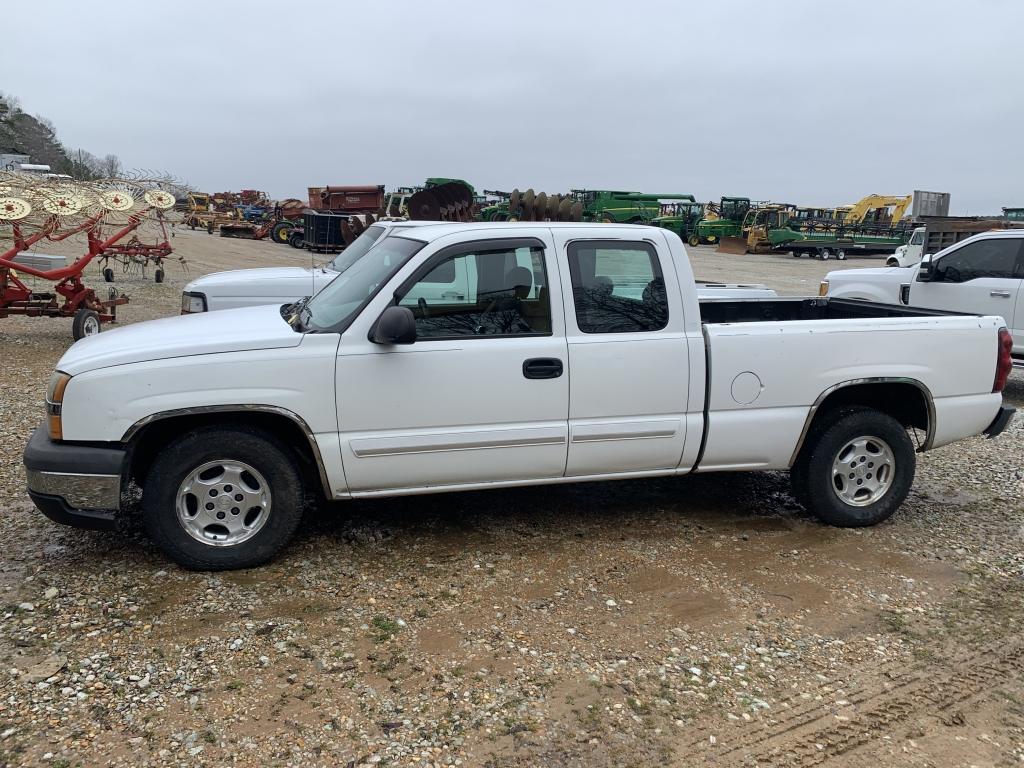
(984, 258)
(501, 292)
(617, 287)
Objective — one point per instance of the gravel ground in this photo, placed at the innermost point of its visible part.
(670, 622)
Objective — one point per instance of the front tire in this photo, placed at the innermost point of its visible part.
(855, 468)
(222, 498)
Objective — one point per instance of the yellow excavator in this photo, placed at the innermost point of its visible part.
(865, 205)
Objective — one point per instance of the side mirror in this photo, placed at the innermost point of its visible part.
(396, 325)
(926, 270)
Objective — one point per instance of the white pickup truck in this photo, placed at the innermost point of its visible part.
(286, 285)
(576, 352)
(983, 274)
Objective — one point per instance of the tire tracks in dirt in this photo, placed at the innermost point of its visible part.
(811, 733)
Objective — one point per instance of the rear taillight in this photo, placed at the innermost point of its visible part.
(1004, 362)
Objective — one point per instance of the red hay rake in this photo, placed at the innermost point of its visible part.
(40, 209)
(134, 255)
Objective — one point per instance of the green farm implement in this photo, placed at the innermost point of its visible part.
(623, 207)
(682, 218)
(724, 219)
(837, 240)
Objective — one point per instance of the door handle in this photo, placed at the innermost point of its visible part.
(542, 368)
(1000, 294)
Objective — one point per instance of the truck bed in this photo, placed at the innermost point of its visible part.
(757, 310)
(769, 360)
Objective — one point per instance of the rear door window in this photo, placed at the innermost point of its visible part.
(617, 286)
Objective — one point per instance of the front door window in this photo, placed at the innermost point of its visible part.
(502, 292)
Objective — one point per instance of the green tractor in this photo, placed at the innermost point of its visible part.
(725, 220)
(682, 218)
(622, 207)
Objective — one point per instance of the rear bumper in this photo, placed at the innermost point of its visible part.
(1004, 417)
(74, 484)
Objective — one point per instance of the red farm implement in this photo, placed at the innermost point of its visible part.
(38, 211)
(134, 256)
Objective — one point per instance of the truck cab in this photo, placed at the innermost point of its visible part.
(910, 253)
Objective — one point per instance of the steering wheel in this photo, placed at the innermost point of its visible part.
(481, 324)
(520, 323)
(422, 304)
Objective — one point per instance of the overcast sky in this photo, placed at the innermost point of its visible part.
(813, 103)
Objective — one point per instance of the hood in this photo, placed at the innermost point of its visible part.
(230, 330)
(883, 274)
(243, 281)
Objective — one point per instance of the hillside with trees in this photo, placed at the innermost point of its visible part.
(34, 135)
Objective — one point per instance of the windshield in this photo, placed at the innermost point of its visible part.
(356, 250)
(337, 305)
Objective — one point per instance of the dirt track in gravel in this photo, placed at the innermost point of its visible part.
(685, 621)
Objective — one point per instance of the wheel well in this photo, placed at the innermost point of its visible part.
(905, 401)
(148, 441)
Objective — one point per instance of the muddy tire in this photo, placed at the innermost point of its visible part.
(221, 498)
(855, 468)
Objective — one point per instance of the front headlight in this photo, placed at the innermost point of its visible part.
(193, 302)
(54, 400)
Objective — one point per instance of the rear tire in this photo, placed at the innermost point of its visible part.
(847, 486)
(280, 233)
(174, 510)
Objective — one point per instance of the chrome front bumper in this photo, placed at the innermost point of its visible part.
(79, 491)
(73, 483)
